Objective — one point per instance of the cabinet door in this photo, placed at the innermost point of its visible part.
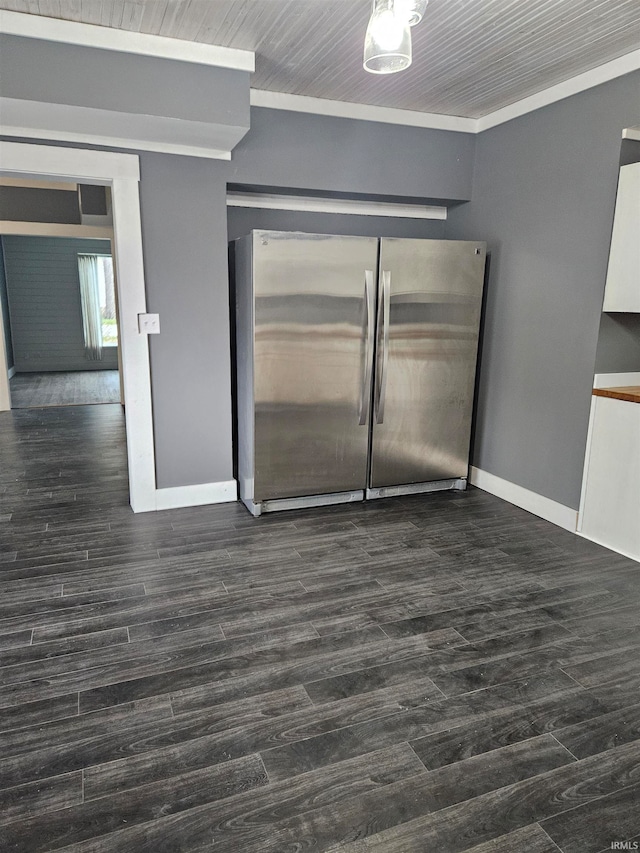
(311, 394)
(622, 291)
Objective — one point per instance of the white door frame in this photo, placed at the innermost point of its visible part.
(122, 173)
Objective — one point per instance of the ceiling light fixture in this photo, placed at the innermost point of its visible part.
(387, 43)
(413, 10)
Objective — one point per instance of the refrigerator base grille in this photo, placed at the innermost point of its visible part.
(416, 488)
(304, 502)
(280, 504)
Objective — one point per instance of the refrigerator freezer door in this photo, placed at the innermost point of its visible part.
(314, 304)
(429, 296)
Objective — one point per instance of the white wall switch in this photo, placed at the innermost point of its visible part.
(149, 324)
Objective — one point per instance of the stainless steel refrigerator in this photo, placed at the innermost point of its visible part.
(356, 360)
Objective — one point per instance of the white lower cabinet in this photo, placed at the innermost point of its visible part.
(610, 504)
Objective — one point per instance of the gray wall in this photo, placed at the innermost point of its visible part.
(184, 225)
(543, 197)
(297, 150)
(184, 231)
(32, 204)
(45, 306)
(5, 311)
(242, 220)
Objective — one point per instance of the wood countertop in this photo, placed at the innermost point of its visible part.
(629, 393)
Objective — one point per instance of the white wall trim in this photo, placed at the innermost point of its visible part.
(602, 74)
(121, 172)
(27, 119)
(126, 41)
(556, 513)
(585, 465)
(5, 373)
(310, 204)
(115, 142)
(198, 495)
(363, 112)
(24, 160)
(11, 372)
(55, 229)
(107, 38)
(412, 118)
(631, 133)
(614, 380)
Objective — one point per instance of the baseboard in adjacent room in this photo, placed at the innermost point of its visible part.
(556, 513)
(197, 495)
(11, 372)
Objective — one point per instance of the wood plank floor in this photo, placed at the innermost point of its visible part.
(436, 673)
(71, 388)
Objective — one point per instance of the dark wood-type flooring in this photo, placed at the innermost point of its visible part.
(436, 673)
(70, 388)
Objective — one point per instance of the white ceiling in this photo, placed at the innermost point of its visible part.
(470, 57)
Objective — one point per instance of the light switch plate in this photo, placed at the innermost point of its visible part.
(149, 324)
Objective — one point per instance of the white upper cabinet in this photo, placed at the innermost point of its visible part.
(622, 290)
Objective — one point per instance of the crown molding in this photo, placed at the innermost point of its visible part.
(602, 74)
(363, 112)
(89, 35)
(125, 41)
(320, 106)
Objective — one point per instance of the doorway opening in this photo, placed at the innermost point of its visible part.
(60, 321)
(119, 172)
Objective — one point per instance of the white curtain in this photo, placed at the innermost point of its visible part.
(91, 318)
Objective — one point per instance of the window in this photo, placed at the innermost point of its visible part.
(97, 293)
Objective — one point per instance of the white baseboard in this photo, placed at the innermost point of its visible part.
(11, 372)
(198, 495)
(556, 513)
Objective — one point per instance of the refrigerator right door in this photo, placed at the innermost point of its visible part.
(429, 303)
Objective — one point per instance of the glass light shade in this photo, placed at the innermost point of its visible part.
(413, 10)
(387, 44)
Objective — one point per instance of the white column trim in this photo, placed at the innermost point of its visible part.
(197, 495)
(556, 513)
(5, 373)
(136, 379)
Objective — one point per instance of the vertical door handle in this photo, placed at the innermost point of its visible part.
(383, 345)
(369, 331)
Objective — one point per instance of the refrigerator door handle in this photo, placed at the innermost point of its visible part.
(365, 392)
(381, 384)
